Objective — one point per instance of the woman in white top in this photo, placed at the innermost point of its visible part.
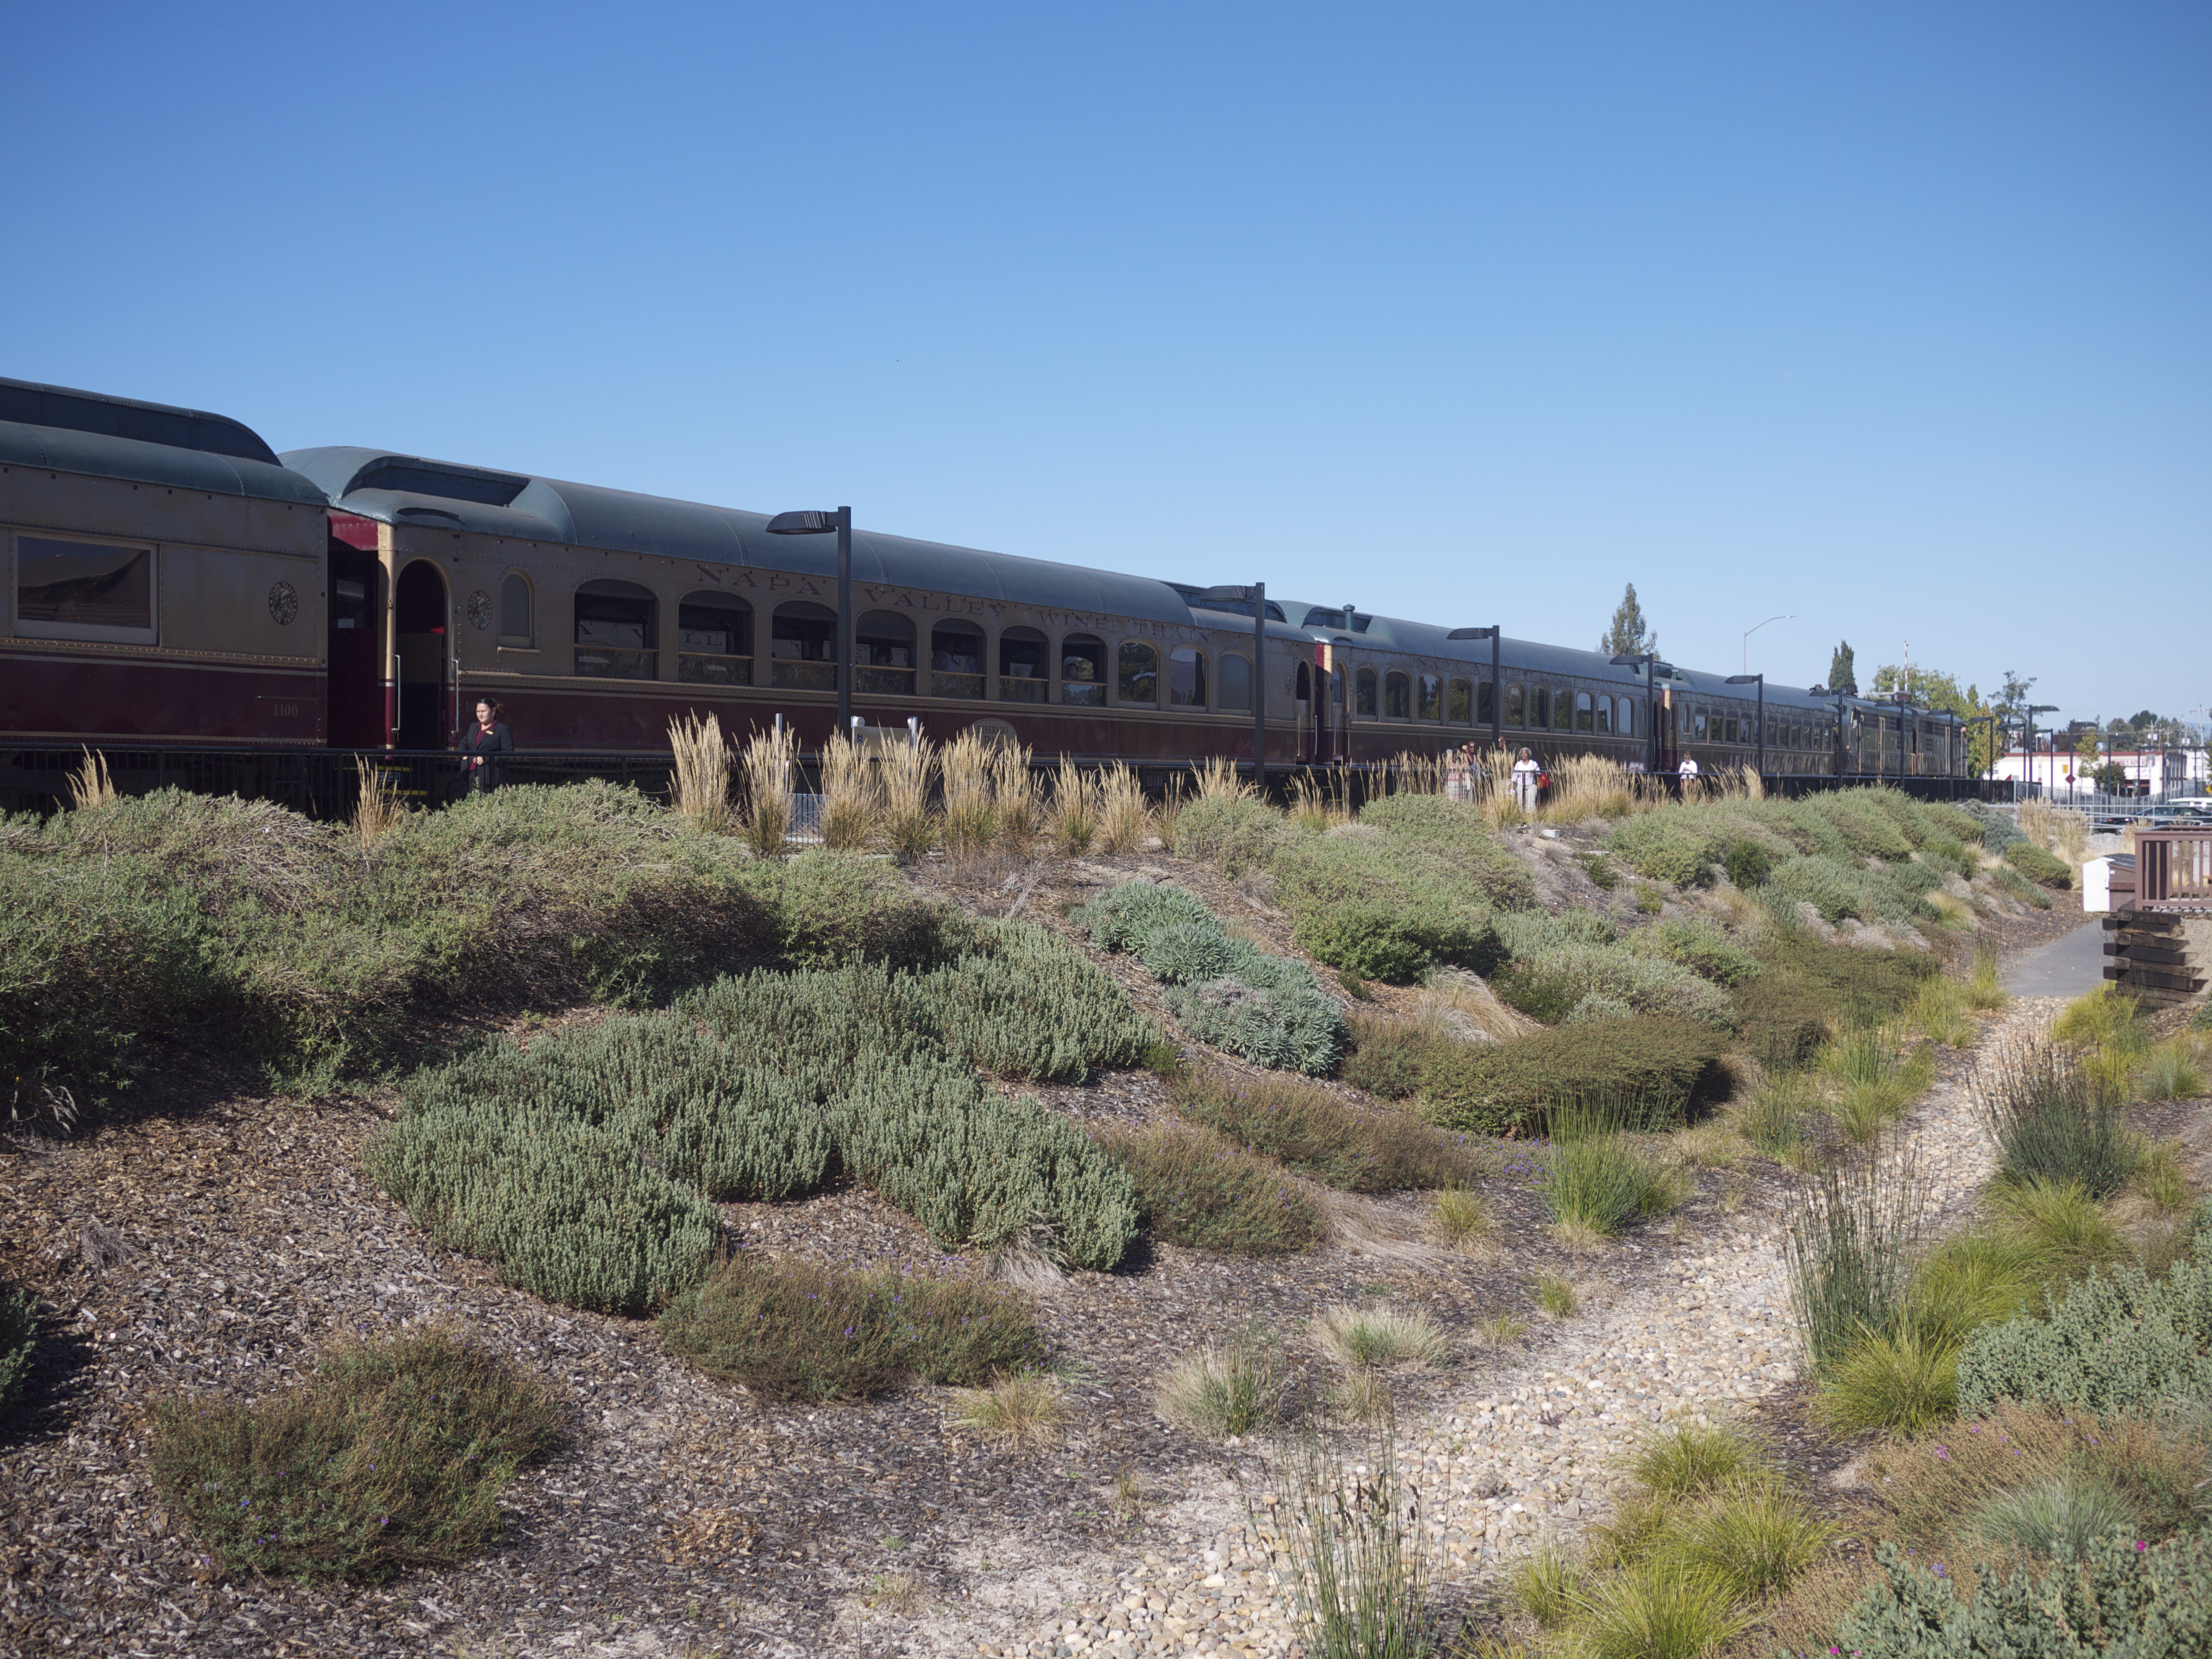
(1526, 773)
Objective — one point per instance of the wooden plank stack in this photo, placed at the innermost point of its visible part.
(2147, 955)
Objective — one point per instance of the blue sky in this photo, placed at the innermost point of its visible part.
(1891, 316)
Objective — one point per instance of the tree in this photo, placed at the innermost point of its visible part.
(2142, 719)
(2014, 698)
(2087, 747)
(1934, 689)
(1628, 633)
(1842, 671)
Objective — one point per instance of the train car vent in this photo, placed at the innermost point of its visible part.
(455, 484)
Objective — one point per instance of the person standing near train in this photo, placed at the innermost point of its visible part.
(486, 746)
(1528, 781)
(1688, 771)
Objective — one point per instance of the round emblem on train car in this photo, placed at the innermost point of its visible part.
(997, 734)
(480, 610)
(283, 603)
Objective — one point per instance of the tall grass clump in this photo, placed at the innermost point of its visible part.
(393, 1455)
(907, 782)
(766, 766)
(1985, 991)
(793, 1330)
(700, 791)
(1201, 1191)
(1876, 1076)
(848, 794)
(1594, 1178)
(1381, 1336)
(1225, 1389)
(1071, 819)
(1349, 1530)
(2052, 1120)
(1849, 1246)
(1015, 793)
(378, 805)
(1124, 820)
(970, 816)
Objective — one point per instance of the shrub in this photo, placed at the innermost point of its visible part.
(1862, 988)
(2019, 887)
(2050, 1120)
(1666, 1608)
(1896, 1384)
(1388, 1056)
(1699, 946)
(1666, 1066)
(1692, 1459)
(1227, 1389)
(1017, 1408)
(2126, 1598)
(1024, 1005)
(1757, 1537)
(796, 1331)
(1373, 943)
(1199, 1190)
(2119, 1342)
(975, 1166)
(1125, 918)
(1552, 972)
(1998, 831)
(2171, 1071)
(1782, 1020)
(1233, 831)
(1326, 1139)
(1287, 1029)
(1867, 830)
(19, 1339)
(2067, 1228)
(2047, 869)
(1187, 952)
(1838, 890)
(1458, 835)
(393, 1455)
(564, 1208)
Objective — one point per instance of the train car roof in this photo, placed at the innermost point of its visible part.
(409, 489)
(66, 430)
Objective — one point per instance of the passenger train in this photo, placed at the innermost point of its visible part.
(171, 580)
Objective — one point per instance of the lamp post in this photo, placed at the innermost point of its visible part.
(1649, 663)
(1496, 689)
(2033, 709)
(1753, 629)
(821, 524)
(1759, 718)
(1257, 592)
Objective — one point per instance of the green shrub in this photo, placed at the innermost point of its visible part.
(1951, 857)
(1187, 952)
(1289, 1030)
(1557, 961)
(1898, 1384)
(1125, 918)
(1322, 1137)
(1199, 1190)
(1862, 988)
(1690, 1459)
(1674, 844)
(1748, 864)
(2119, 1342)
(1998, 829)
(392, 1455)
(975, 1166)
(2127, 1600)
(1946, 820)
(2047, 869)
(792, 1330)
(1698, 945)
(2061, 1516)
(1838, 890)
(1666, 1066)
(1236, 832)
(1457, 835)
(1867, 830)
(563, 1208)
(1388, 1056)
(2019, 887)
(1373, 943)
(1782, 1020)
(1024, 1005)
(19, 1339)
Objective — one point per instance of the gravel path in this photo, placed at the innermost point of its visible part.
(1508, 1457)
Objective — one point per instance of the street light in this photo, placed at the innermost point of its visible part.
(1257, 594)
(1746, 679)
(1649, 663)
(1753, 629)
(821, 524)
(1496, 690)
(2028, 758)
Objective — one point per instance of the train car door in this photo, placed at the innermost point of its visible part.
(1670, 753)
(1306, 749)
(420, 630)
(356, 615)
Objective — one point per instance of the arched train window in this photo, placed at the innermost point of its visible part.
(882, 653)
(1459, 706)
(1236, 696)
(802, 647)
(1140, 678)
(1024, 676)
(518, 623)
(616, 635)
(1082, 670)
(1397, 695)
(1186, 677)
(1516, 700)
(1432, 697)
(957, 652)
(714, 640)
(1364, 694)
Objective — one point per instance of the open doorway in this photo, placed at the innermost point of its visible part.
(356, 624)
(420, 631)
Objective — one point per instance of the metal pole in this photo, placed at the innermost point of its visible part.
(1496, 690)
(844, 619)
(1260, 686)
